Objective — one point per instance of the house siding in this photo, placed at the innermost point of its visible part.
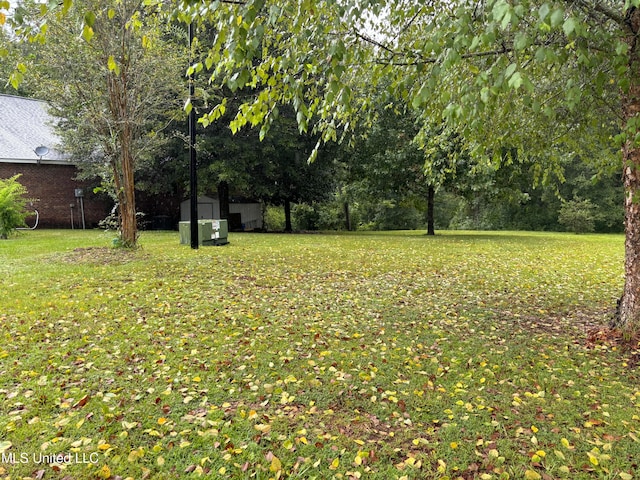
(52, 189)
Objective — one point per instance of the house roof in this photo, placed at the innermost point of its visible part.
(25, 125)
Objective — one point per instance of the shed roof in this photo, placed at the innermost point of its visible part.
(25, 124)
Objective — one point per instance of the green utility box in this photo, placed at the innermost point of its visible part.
(210, 232)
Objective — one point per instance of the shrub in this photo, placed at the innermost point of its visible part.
(274, 218)
(12, 206)
(577, 216)
(304, 217)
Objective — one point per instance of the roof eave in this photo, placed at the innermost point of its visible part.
(37, 161)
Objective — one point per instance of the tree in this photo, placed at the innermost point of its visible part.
(274, 169)
(389, 166)
(577, 216)
(285, 177)
(12, 206)
(112, 77)
(548, 78)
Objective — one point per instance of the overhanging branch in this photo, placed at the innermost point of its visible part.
(464, 56)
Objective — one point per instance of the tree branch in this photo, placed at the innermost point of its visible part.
(600, 7)
(465, 56)
(376, 43)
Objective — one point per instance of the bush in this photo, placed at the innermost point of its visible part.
(304, 217)
(577, 216)
(389, 215)
(12, 206)
(274, 218)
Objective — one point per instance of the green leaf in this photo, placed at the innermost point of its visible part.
(500, 9)
(510, 70)
(556, 17)
(622, 48)
(87, 33)
(569, 26)
(89, 18)
(15, 79)
(543, 12)
(521, 41)
(112, 65)
(485, 94)
(506, 20)
(515, 81)
(421, 97)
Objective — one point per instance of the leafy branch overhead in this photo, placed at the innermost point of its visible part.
(476, 66)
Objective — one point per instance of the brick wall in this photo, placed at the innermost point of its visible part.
(53, 188)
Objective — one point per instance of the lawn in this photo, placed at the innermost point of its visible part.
(374, 356)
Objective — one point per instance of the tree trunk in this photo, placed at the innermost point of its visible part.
(431, 193)
(123, 162)
(347, 216)
(223, 197)
(628, 316)
(128, 226)
(287, 215)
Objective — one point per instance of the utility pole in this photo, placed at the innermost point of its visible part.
(193, 172)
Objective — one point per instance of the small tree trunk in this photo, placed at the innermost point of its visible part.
(129, 225)
(287, 216)
(123, 162)
(431, 193)
(628, 316)
(347, 216)
(223, 198)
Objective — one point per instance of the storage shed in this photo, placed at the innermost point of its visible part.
(243, 216)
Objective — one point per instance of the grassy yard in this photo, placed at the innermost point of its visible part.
(373, 356)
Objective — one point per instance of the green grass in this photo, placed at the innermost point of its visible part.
(378, 356)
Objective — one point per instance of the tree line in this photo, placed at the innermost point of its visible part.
(382, 179)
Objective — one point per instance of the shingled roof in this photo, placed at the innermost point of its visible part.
(25, 124)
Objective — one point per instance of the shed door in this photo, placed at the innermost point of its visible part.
(205, 211)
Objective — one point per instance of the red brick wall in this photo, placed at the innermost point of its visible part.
(53, 189)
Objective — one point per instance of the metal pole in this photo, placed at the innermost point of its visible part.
(193, 174)
(82, 212)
